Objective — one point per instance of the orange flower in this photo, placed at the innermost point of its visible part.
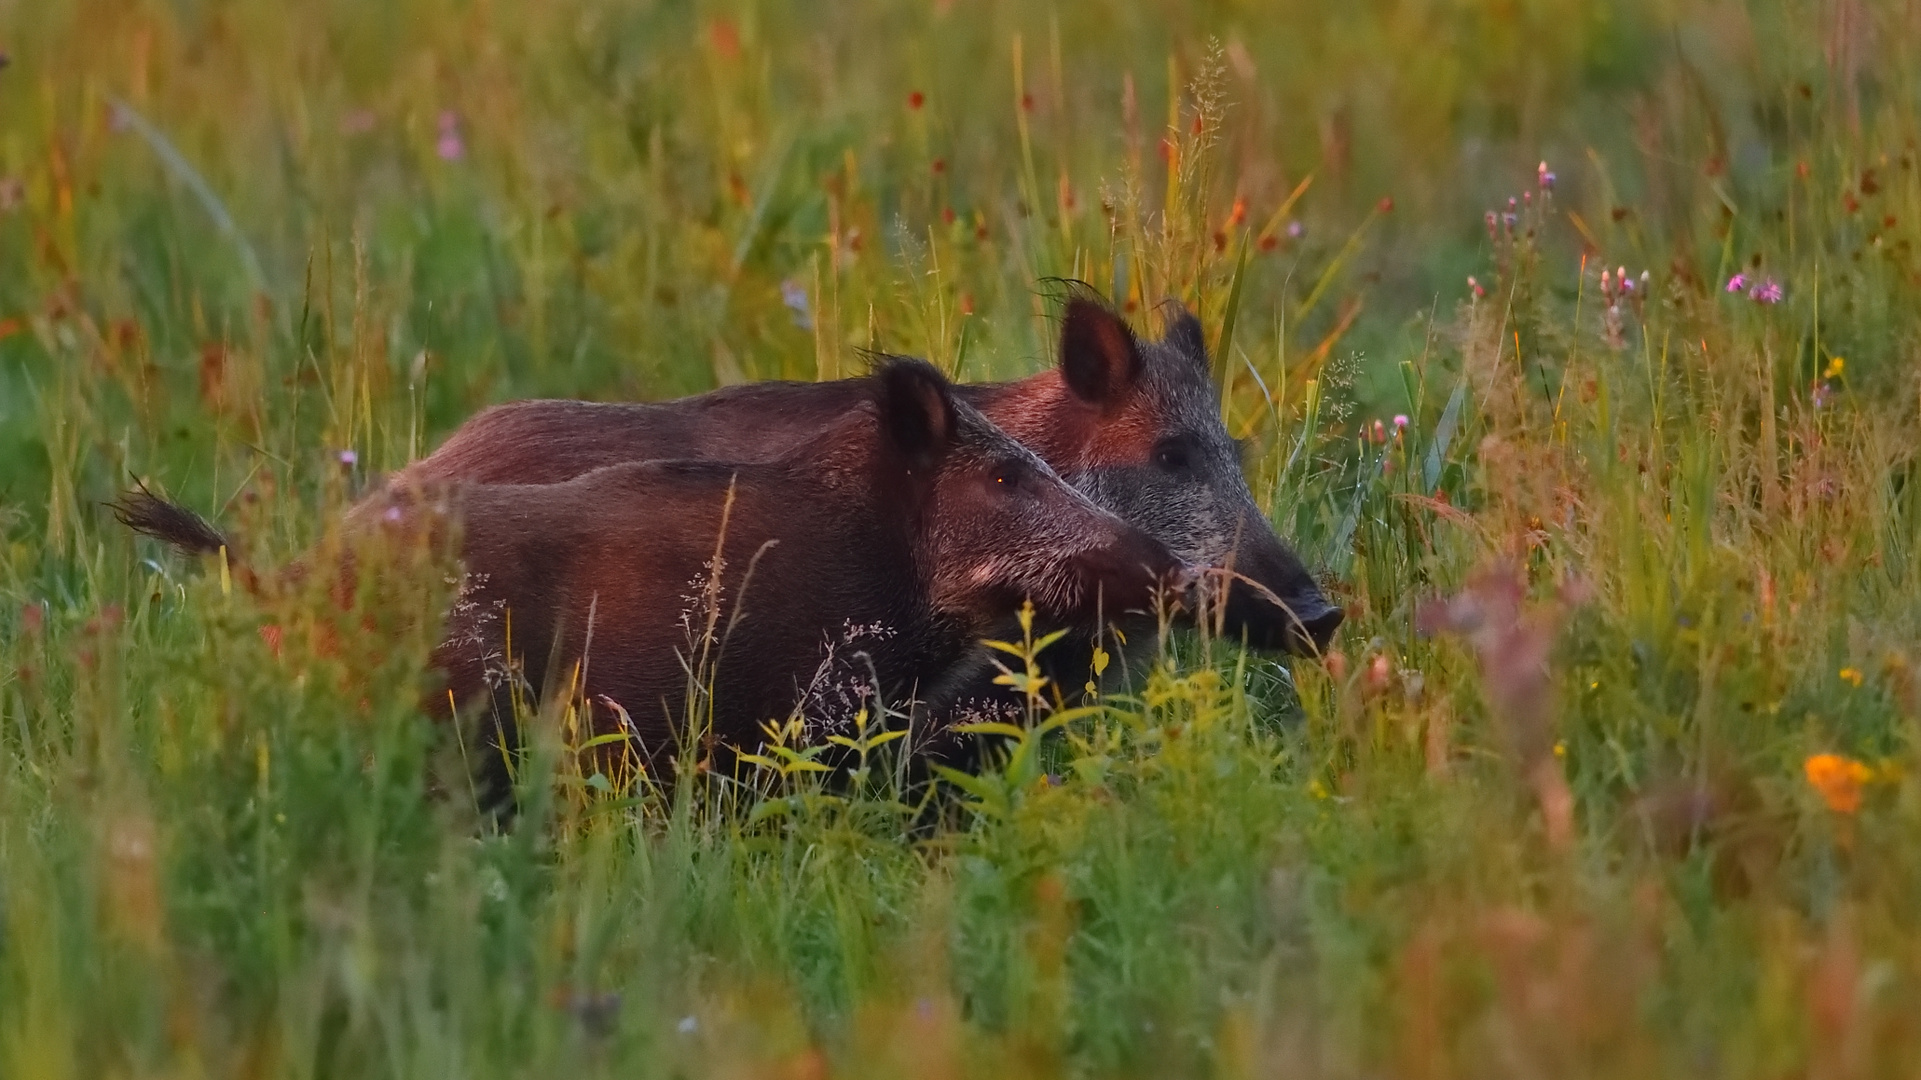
(1839, 780)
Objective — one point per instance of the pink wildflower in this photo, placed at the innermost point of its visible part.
(1769, 292)
(1737, 283)
(450, 146)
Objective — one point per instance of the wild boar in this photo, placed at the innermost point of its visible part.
(1134, 425)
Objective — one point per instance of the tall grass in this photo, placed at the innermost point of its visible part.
(1613, 772)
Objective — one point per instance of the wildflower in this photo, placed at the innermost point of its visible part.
(916, 99)
(1295, 230)
(1560, 748)
(348, 459)
(1336, 662)
(1543, 177)
(1737, 283)
(1821, 395)
(1380, 432)
(1852, 675)
(725, 37)
(794, 295)
(1317, 789)
(1768, 292)
(1379, 672)
(1838, 779)
(1400, 421)
(1385, 206)
(450, 146)
(1835, 366)
(1475, 287)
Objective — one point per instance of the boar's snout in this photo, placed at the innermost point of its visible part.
(1303, 625)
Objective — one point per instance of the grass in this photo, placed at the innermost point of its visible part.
(1564, 823)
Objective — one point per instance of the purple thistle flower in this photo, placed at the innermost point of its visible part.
(1769, 292)
(348, 458)
(450, 146)
(1737, 283)
(794, 295)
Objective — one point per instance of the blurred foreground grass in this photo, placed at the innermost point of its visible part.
(256, 253)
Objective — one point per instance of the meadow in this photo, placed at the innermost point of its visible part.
(1577, 344)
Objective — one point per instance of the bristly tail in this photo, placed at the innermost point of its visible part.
(144, 512)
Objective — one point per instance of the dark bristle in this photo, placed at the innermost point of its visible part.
(150, 515)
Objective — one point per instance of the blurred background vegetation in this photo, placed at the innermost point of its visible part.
(1638, 800)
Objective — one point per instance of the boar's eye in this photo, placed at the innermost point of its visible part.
(1008, 475)
(1172, 456)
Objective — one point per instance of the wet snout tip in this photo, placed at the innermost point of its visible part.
(1318, 623)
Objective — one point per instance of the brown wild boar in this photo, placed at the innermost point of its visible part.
(855, 570)
(1134, 425)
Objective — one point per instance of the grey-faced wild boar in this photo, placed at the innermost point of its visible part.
(1134, 425)
(856, 569)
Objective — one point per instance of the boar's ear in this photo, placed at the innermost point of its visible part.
(1100, 360)
(916, 409)
(1183, 334)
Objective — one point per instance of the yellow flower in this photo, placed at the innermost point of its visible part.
(1315, 789)
(1851, 674)
(1838, 779)
(1560, 748)
(1835, 364)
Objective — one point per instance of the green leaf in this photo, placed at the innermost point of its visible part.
(605, 740)
(992, 727)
